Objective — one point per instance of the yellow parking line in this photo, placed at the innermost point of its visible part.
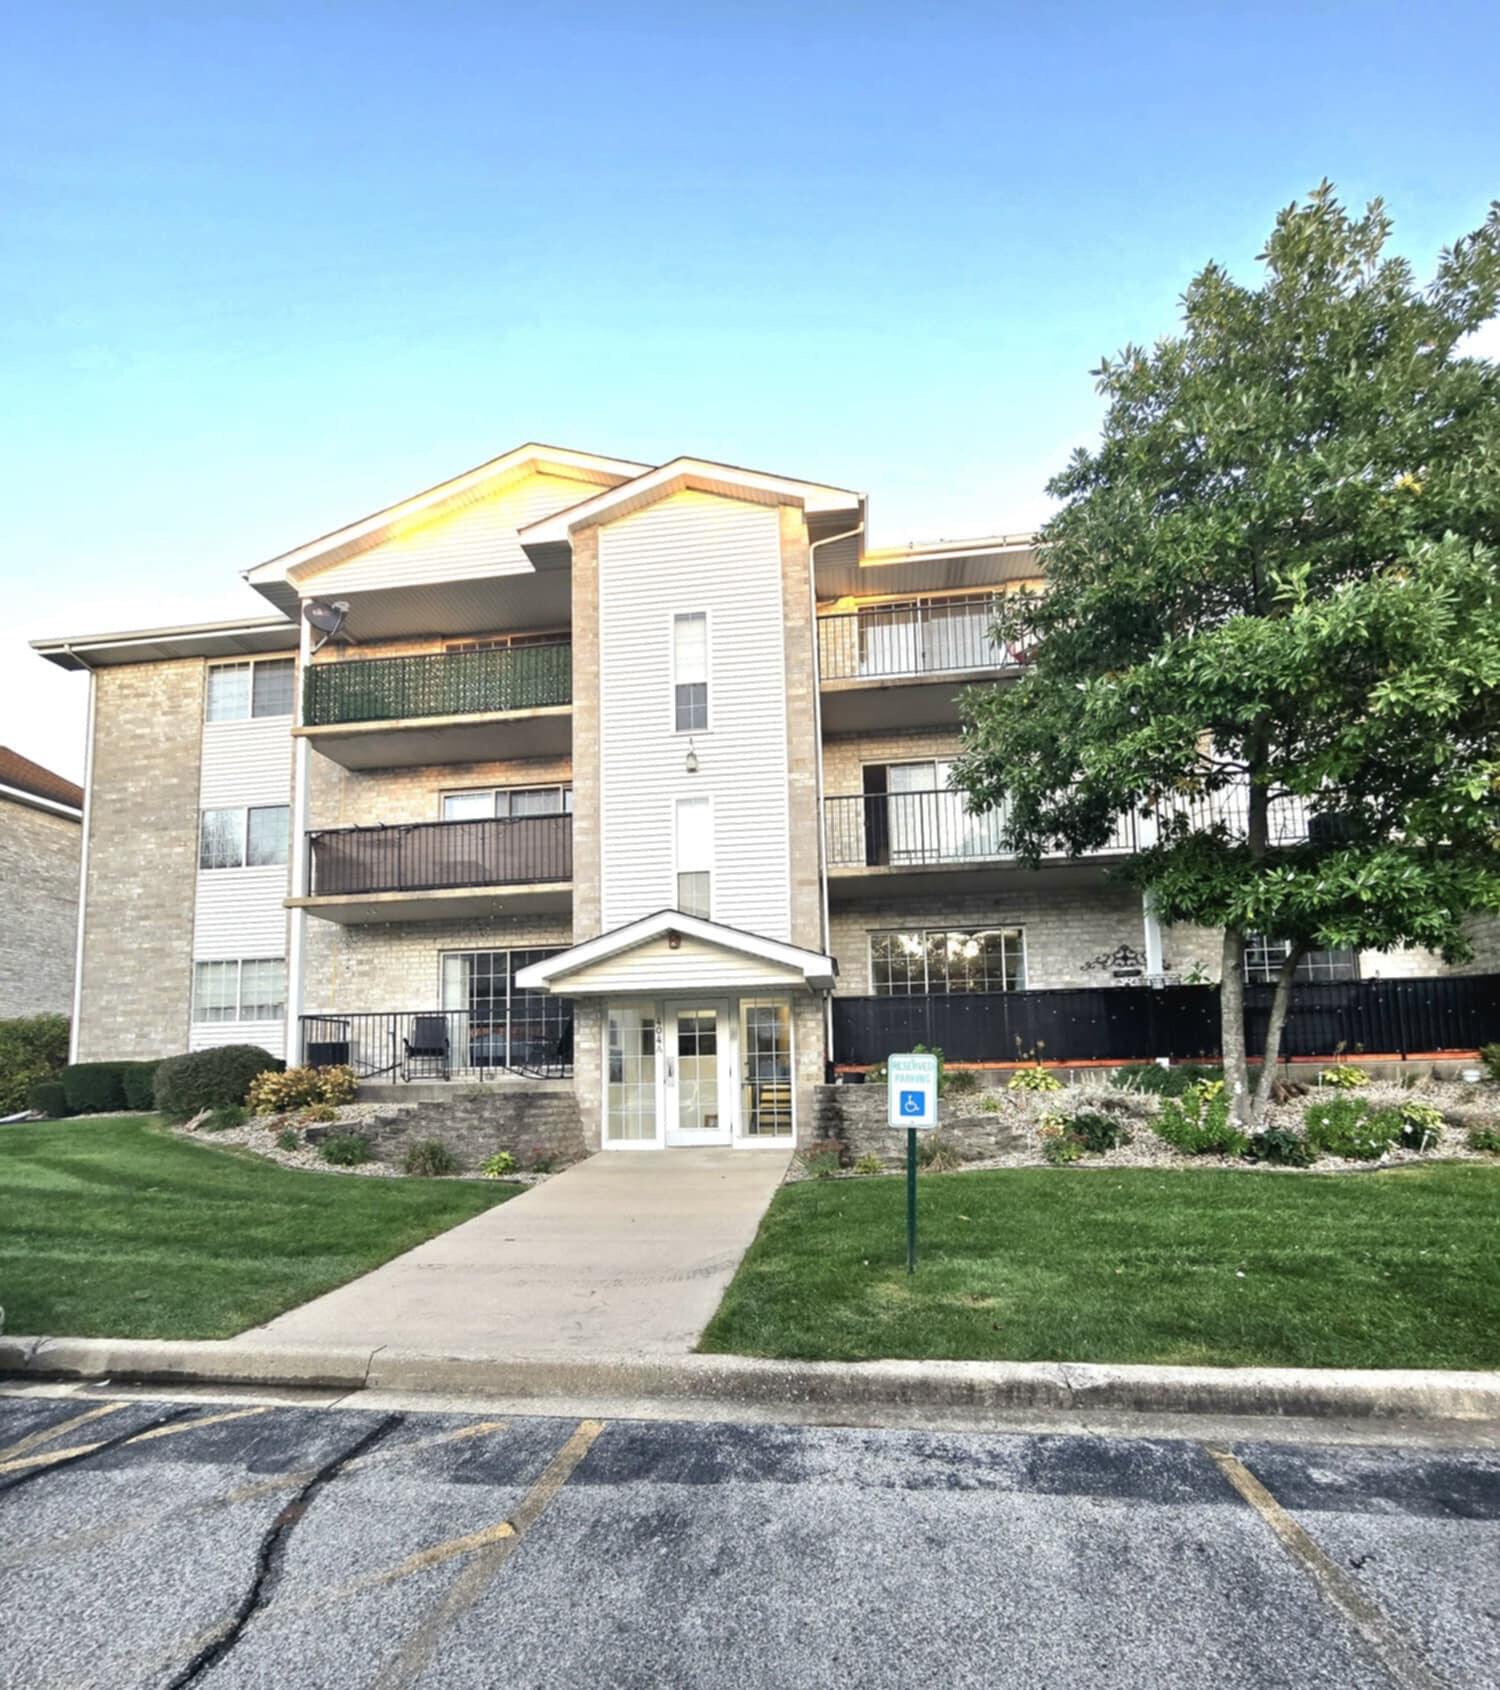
(47, 1458)
(48, 1433)
(1405, 1666)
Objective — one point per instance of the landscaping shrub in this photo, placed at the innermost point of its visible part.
(1489, 1055)
(209, 1079)
(1485, 1138)
(1282, 1147)
(273, 1092)
(139, 1080)
(429, 1158)
(232, 1115)
(1059, 1148)
(32, 1048)
(1421, 1126)
(1034, 1079)
(1347, 1126)
(345, 1150)
(958, 1082)
(288, 1139)
(1198, 1122)
(1156, 1081)
(48, 1098)
(1097, 1132)
(94, 1088)
(317, 1114)
(869, 1165)
(936, 1154)
(819, 1163)
(498, 1165)
(1344, 1078)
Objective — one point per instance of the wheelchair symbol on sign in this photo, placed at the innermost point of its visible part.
(913, 1103)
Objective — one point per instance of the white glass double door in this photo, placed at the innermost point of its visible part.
(669, 1074)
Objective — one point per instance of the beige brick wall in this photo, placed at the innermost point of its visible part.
(38, 910)
(143, 856)
(801, 731)
(844, 755)
(365, 798)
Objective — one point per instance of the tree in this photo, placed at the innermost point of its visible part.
(1273, 592)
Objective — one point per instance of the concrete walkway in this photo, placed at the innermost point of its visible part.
(624, 1255)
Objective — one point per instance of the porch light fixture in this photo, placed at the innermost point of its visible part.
(674, 941)
(692, 759)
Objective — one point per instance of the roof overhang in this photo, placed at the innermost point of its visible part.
(239, 638)
(946, 566)
(35, 801)
(811, 968)
(725, 480)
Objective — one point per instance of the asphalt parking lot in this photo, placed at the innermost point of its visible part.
(159, 1543)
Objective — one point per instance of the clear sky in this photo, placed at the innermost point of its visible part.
(266, 268)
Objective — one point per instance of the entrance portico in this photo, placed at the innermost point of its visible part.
(697, 1031)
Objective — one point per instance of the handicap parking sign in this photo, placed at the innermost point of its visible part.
(911, 1090)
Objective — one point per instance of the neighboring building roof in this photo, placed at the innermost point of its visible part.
(240, 638)
(20, 774)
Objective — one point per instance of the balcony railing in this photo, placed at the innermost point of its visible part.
(531, 1036)
(440, 683)
(917, 829)
(433, 856)
(940, 636)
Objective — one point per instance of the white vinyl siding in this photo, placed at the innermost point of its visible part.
(694, 552)
(695, 965)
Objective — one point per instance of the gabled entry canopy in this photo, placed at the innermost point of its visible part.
(673, 952)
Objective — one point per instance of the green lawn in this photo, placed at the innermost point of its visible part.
(1390, 1269)
(114, 1228)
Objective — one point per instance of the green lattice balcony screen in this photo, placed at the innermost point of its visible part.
(447, 683)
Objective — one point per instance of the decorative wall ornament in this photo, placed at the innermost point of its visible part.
(1123, 959)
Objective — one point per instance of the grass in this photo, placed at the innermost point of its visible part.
(1389, 1269)
(117, 1229)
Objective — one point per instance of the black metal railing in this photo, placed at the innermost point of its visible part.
(1421, 1016)
(532, 1037)
(431, 856)
(930, 637)
(913, 829)
(441, 683)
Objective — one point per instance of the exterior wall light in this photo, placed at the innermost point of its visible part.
(692, 759)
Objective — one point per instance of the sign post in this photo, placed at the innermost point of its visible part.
(911, 1099)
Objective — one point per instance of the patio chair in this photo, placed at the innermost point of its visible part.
(428, 1042)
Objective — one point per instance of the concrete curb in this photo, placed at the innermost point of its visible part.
(726, 1380)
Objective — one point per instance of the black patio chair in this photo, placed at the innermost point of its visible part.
(428, 1042)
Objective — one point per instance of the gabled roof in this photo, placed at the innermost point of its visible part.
(815, 969)
(698, 473)
(274, 577)
(240, 638)
(21, 775)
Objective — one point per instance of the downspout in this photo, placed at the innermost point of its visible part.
(83, 853)
(817, 691)
(297, 929)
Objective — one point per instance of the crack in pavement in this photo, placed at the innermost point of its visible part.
(272, 1550)
(73, 1457)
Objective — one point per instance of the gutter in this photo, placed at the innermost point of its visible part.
(75, 1024)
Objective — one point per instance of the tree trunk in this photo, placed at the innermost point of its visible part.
(1232, 1025)
(1281, 1002)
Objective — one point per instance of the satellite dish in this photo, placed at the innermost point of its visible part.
(326, 618)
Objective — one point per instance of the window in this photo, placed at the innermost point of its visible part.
(690, 671)
(503, 642)
(240, 991)
(508, 801)
(695, 855)
(766, 1040)
(503, 1026)
(253, 838)
(1264, 957)
(238, 691)
(945, 961)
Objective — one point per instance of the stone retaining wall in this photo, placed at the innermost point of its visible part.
(533, 1125)
(856, 1116)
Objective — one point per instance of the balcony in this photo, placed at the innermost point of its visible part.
(902, 665)
(440, 707)
(883, 844)
(433, 871)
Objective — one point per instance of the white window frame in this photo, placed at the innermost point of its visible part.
(238, 1018)
(712, 869)
(673, 617)
(250, 663)
(957, 927)
(244, 863)
(1262, 946)
(565, 787)
(506, 642)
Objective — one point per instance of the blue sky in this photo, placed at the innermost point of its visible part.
(264, 269)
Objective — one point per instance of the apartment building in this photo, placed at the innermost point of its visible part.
(577, 768)
(40, 813)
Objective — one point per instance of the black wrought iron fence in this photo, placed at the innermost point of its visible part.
(425, 856)
(533, 1038)
(935, 636)
(444, 683)
(911, 829)
(1421, 1016)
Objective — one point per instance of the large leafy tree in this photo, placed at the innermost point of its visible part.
(1272, 618)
